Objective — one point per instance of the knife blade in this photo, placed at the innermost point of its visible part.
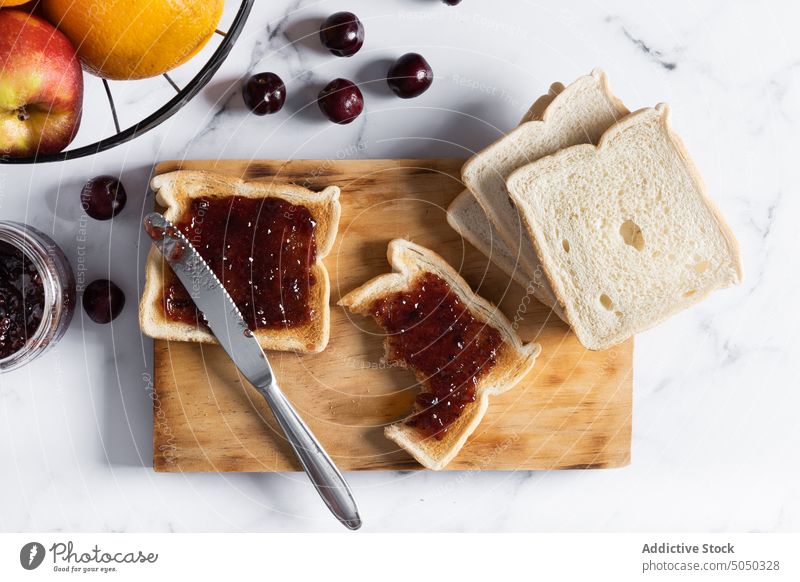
(228, 326)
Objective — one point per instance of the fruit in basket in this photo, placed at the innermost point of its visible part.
(131, 39)
(41, 86)
(5, 3)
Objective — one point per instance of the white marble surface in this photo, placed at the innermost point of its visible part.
(716, 432)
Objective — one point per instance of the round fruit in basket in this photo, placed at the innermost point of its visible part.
(132, 39)
(41, 86)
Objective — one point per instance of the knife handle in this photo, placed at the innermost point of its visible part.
(315, 461)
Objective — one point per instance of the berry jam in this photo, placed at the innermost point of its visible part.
(21, 299)
(262, 249)
(433, 332)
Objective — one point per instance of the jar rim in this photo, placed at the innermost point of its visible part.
(27, 238)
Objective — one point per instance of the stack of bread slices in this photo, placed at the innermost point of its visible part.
(599, 212)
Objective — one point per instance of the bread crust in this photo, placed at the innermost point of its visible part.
(537, 284)
(663, 112)
(175, 190)
(514, 269)
(537, 110)
(514, 360)
(459, 204)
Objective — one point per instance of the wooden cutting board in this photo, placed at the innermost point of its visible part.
(572, 411)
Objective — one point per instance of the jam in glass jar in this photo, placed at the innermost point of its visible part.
(37, 294)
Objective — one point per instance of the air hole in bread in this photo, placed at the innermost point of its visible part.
(565, 244)
(632, 234)
(701, 266)
(606, 302)
(690, 292)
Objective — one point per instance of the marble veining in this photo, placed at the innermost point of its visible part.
(654, 54)
(714, 427)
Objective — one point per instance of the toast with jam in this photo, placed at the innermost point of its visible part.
(265, 242)
(461, 349)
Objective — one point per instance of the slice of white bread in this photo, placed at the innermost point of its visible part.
(624, 230)
(514, 359)
(579, 113)
(466, 216)
(175, 191)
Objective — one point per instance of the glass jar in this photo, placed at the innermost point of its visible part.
(58, 283)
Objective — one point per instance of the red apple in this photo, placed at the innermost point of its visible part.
(41, 86)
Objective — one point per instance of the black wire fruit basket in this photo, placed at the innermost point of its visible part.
(181, 98)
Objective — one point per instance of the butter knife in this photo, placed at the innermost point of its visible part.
(230, 329)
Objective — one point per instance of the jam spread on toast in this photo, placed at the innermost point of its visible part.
(21, 299)
(262, 249)
(432, 331)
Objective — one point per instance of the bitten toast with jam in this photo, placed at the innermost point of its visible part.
(460, 347)
(264, 241)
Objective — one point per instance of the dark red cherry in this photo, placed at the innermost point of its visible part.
(452, 2)
(342, 34)
(103, 197)
(341, 101)
(264, 93)
(410, 76)
(103, 300)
